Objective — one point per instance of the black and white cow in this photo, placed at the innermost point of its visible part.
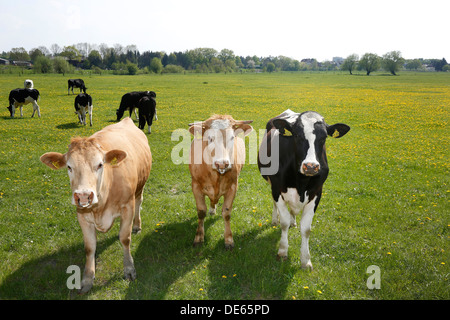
(294, 145)
(130, 101)
(147, 110)
(76, 83)
(83, 105)
(20, 97)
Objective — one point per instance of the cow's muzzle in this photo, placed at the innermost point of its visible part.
(310, 168)
(222, 166)
(84, 199)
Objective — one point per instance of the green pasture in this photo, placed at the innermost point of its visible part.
(385, 202)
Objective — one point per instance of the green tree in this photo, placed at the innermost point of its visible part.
(392, 61)
(19, 54)
(350, 63)
(60, 65)
(132, 68)
(413, 64)
(156, 65)
(369, 62)
(71, 53)
(43, 65)
(270, 67)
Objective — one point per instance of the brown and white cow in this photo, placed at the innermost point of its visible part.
(217, 156)
(107, 172)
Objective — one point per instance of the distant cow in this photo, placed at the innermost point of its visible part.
(302, 170)
(130, 101)
(147, 110)
(20, 97)
(83, 104)
(28, 84)
(76, 83)
(217, 156)
(107, 172)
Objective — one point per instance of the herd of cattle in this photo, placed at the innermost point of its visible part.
(144, 101)
(108, 172)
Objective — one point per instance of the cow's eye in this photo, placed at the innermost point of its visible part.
(69, 168)
(100, 166)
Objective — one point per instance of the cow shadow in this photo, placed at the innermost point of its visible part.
(160, 263)
(70, 125)
(45, 278)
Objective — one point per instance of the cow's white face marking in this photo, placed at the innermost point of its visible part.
(308, 120)
(220, 144)
(85, 173)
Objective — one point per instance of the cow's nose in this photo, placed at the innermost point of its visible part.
(310, 168)
(222, 165)
(83, 198)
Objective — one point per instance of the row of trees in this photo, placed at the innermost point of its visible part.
(391, 62)
(128, 60)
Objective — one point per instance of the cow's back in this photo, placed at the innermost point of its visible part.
(127, 137)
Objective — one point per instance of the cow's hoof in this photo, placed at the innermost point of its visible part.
(229, 246)
(136, 230)
(307, 266)
(282, 257)
(130, 273)
(198, 244)
(85, 286)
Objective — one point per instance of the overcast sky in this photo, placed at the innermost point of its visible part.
(298, 29)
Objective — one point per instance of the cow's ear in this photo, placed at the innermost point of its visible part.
(197, 129)
(243, 126)
(337, 130)
(54, 160)
(283, 126)
(114, 157)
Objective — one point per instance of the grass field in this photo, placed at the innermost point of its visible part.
(385, 202)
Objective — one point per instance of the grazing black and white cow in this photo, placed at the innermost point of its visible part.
(130, 101)
(28, 84)
(297, 150)
(147, 110)
(20, 97)
(76, 83)
(83, 105)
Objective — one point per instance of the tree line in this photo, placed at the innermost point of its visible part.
(129, 60)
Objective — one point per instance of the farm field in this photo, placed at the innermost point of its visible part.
(385, 203)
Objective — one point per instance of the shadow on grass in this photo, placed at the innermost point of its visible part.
(165, 261)
(70, 125)
(45, 278)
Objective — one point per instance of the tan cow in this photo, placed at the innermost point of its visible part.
(107, 172)
(216, 159)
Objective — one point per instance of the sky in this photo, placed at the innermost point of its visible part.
(298, 29)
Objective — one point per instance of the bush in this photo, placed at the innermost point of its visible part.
(171, 68)
(132, 68)
(43, 65)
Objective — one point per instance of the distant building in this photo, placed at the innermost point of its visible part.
(27, 64)
(338, 61)
(4, 61)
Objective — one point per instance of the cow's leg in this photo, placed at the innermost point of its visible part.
(126, 225)
(305, 229)
(83, 115)
(90, 114)
(274, 214)
(137, 213)
(36, 108)
(226, 214)
(285, 222)
(156, 116)
(21, 110)
(135, 113)
(90, 243)
(201, 213)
